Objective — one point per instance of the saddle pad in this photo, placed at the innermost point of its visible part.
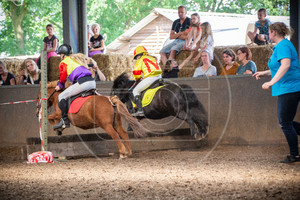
(77, 103)
(148, 96)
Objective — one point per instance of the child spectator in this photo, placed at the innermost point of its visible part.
(206, 42)
(97, 41)
(50, 44)
(22, 78)
(6, 78)
(244, 55)
(194, 34)
(34, 74)
(207, 69)
(263, 26)
(230, 66)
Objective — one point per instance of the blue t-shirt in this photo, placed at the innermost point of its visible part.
(263, 29)
(249, 66)
(290, 82)
(211, 71)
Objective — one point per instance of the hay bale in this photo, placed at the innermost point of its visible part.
(53, 71)
(260, 55)
(13, 65)
(112, 65)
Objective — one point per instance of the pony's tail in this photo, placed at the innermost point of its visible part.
(138, 129)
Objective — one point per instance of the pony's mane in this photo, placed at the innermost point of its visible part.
(53, 84)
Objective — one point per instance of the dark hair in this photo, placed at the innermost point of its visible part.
(281, 29)
(262, 10)
(247, 51)
(49, 25)
(230, 53)
(182, 7)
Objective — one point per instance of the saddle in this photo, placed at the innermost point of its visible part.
(148, 94)
(75, 102)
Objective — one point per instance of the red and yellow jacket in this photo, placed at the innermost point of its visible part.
(148, 66)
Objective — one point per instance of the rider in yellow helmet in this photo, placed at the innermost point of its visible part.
(147, 67)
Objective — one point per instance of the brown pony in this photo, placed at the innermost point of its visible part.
(98, 111)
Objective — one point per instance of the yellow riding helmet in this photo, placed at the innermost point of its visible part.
(139, 50)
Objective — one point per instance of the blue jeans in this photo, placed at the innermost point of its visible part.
(287, 108)
(176, 45)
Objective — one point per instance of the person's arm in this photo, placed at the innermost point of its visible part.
(285, 65)
(45, 46)
(12, 81)
(260, 74)
(54, 46)
(100, 74)
(198, 39)
(174, 35)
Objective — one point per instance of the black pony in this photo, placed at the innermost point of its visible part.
(171, 100)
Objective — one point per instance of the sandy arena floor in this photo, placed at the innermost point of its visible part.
(227, 172)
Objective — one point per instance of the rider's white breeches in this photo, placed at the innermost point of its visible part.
(144, 84)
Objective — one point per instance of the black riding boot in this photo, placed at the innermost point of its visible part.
(138, 102)
(64, 122)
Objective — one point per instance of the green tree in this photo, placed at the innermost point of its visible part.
(23, 29)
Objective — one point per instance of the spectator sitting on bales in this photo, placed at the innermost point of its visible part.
(50, 44)
(206, 69)
(230, 66)
(263, 26)
(206, 42)
(194, 34)
(6, 78)
(97, 41)
(34, 74)
(95, 71)
(179, 33)
(244, 56)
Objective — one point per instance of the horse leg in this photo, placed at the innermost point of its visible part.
(123, 134)
(186, 117)
(115, 136)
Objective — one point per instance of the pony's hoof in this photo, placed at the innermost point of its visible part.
(59, 132)
(198, 137)
(122, 156)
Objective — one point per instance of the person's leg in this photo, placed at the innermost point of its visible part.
(63, 103)
(251, 36)
(287, 108)
(176, 48)
(163, 58)
(144, 84)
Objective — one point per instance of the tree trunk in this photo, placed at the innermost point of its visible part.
(17, 14)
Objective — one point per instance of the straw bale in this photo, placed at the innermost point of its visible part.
(112, 65)
(260, 55)
(53, 71)
(12, 65)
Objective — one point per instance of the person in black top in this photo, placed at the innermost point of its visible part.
(51, 44)
(179, 33)
(6, 78)
(97, 41)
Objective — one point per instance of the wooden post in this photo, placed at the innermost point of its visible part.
(44, 124)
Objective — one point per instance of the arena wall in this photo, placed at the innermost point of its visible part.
(239, 111)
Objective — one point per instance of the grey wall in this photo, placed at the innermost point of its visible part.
(239, 112)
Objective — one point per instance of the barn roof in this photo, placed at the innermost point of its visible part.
(228, 29)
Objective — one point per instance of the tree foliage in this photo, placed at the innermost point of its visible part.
(22, 34)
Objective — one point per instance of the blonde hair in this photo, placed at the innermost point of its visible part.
(281, 29)
(198, 16)
(81, 59)
(35, 66)
(95, 25)
(206, 32)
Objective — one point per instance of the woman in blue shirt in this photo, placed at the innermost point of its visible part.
(285, 82)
